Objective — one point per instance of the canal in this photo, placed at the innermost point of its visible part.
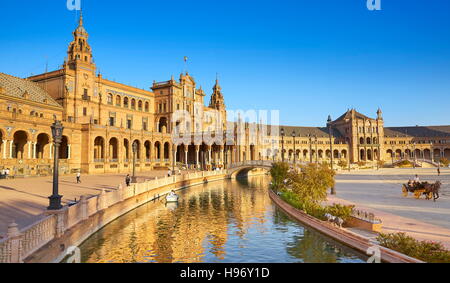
(225, 221)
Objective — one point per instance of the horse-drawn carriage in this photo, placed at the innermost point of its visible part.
(430, 191)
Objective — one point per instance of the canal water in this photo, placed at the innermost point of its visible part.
(224, 221)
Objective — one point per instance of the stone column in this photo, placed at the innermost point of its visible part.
(69, 152)
(29, 150)
(51, 150)
(10, 149)
(186, 156)
(197, 155)
(209, 155)
(34, 150)
(221, 155)
(4, 148)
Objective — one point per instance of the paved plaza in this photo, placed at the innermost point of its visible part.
(24, 200)
(379, 191)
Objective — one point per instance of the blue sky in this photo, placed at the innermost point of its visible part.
(306, 58)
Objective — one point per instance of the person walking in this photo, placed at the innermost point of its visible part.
(78, 178)
(169, 173)
(128, 180)
(439, 171)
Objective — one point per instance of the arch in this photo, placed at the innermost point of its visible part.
(133, 103)
(436, 154)
(328, 154)
(320, 153)
(305, 154)
(147, 107)
(427, 154)
(362, 155)
(369, 155)
(390, 153)
(336, 154)
(418, 153)
(361, 140)
(113, 149)
(167, 151)
(140, 105)
(2, 136)
(408, 154)
(126, 102)
(64, 148)
(42, 146)
(447, 153)
(138, 149)
(368, 140)
(157, 150)
(147, 148)
(344, 153)
(375, 140)
(162, 125)
(398, 153)
(126, 150)
(110, 98)
(99, 149)
(19, 142)
(118, 101)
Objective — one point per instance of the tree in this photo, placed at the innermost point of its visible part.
(279, 173)
(311, 185)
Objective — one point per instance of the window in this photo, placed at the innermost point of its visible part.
(133, 104)
(125, 102)
(85, 94)
(110, 99)
(129, 124)
(147, 106)
(118, 101)
(84, 111)
(111, 121)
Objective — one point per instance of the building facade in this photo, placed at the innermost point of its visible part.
(171, 126)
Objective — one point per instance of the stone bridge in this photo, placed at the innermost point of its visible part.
(241, 168)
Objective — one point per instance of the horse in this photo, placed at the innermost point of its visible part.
(433, 188)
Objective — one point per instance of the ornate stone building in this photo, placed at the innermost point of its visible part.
(103, 119)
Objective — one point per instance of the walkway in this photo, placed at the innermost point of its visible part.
(379, 191)
(24, 200)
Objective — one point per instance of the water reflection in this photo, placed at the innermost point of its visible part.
(224, 221)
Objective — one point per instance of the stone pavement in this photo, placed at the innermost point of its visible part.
(24, 200)
(379, 191)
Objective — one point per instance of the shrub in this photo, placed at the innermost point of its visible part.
(424, 250)
(342, 211)
(405, 163)
(444, 161)
(342, 163)
(361, 163)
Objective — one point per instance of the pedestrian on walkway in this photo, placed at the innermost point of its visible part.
(169, 173)
(78, 178)
(128, 180)
(439, 171)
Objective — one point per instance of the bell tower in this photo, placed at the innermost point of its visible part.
(218, 103)
(79, 53)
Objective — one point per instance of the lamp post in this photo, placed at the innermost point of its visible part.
(173, 159)
(293, 136)
(55, 198)
(392, 154)
(333, 191)
(414, 155)
(282, 144)
(133, 178)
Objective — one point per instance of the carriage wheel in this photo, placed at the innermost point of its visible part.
(404, 191)
(417, 195)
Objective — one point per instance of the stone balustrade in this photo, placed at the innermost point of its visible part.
(21, 243)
